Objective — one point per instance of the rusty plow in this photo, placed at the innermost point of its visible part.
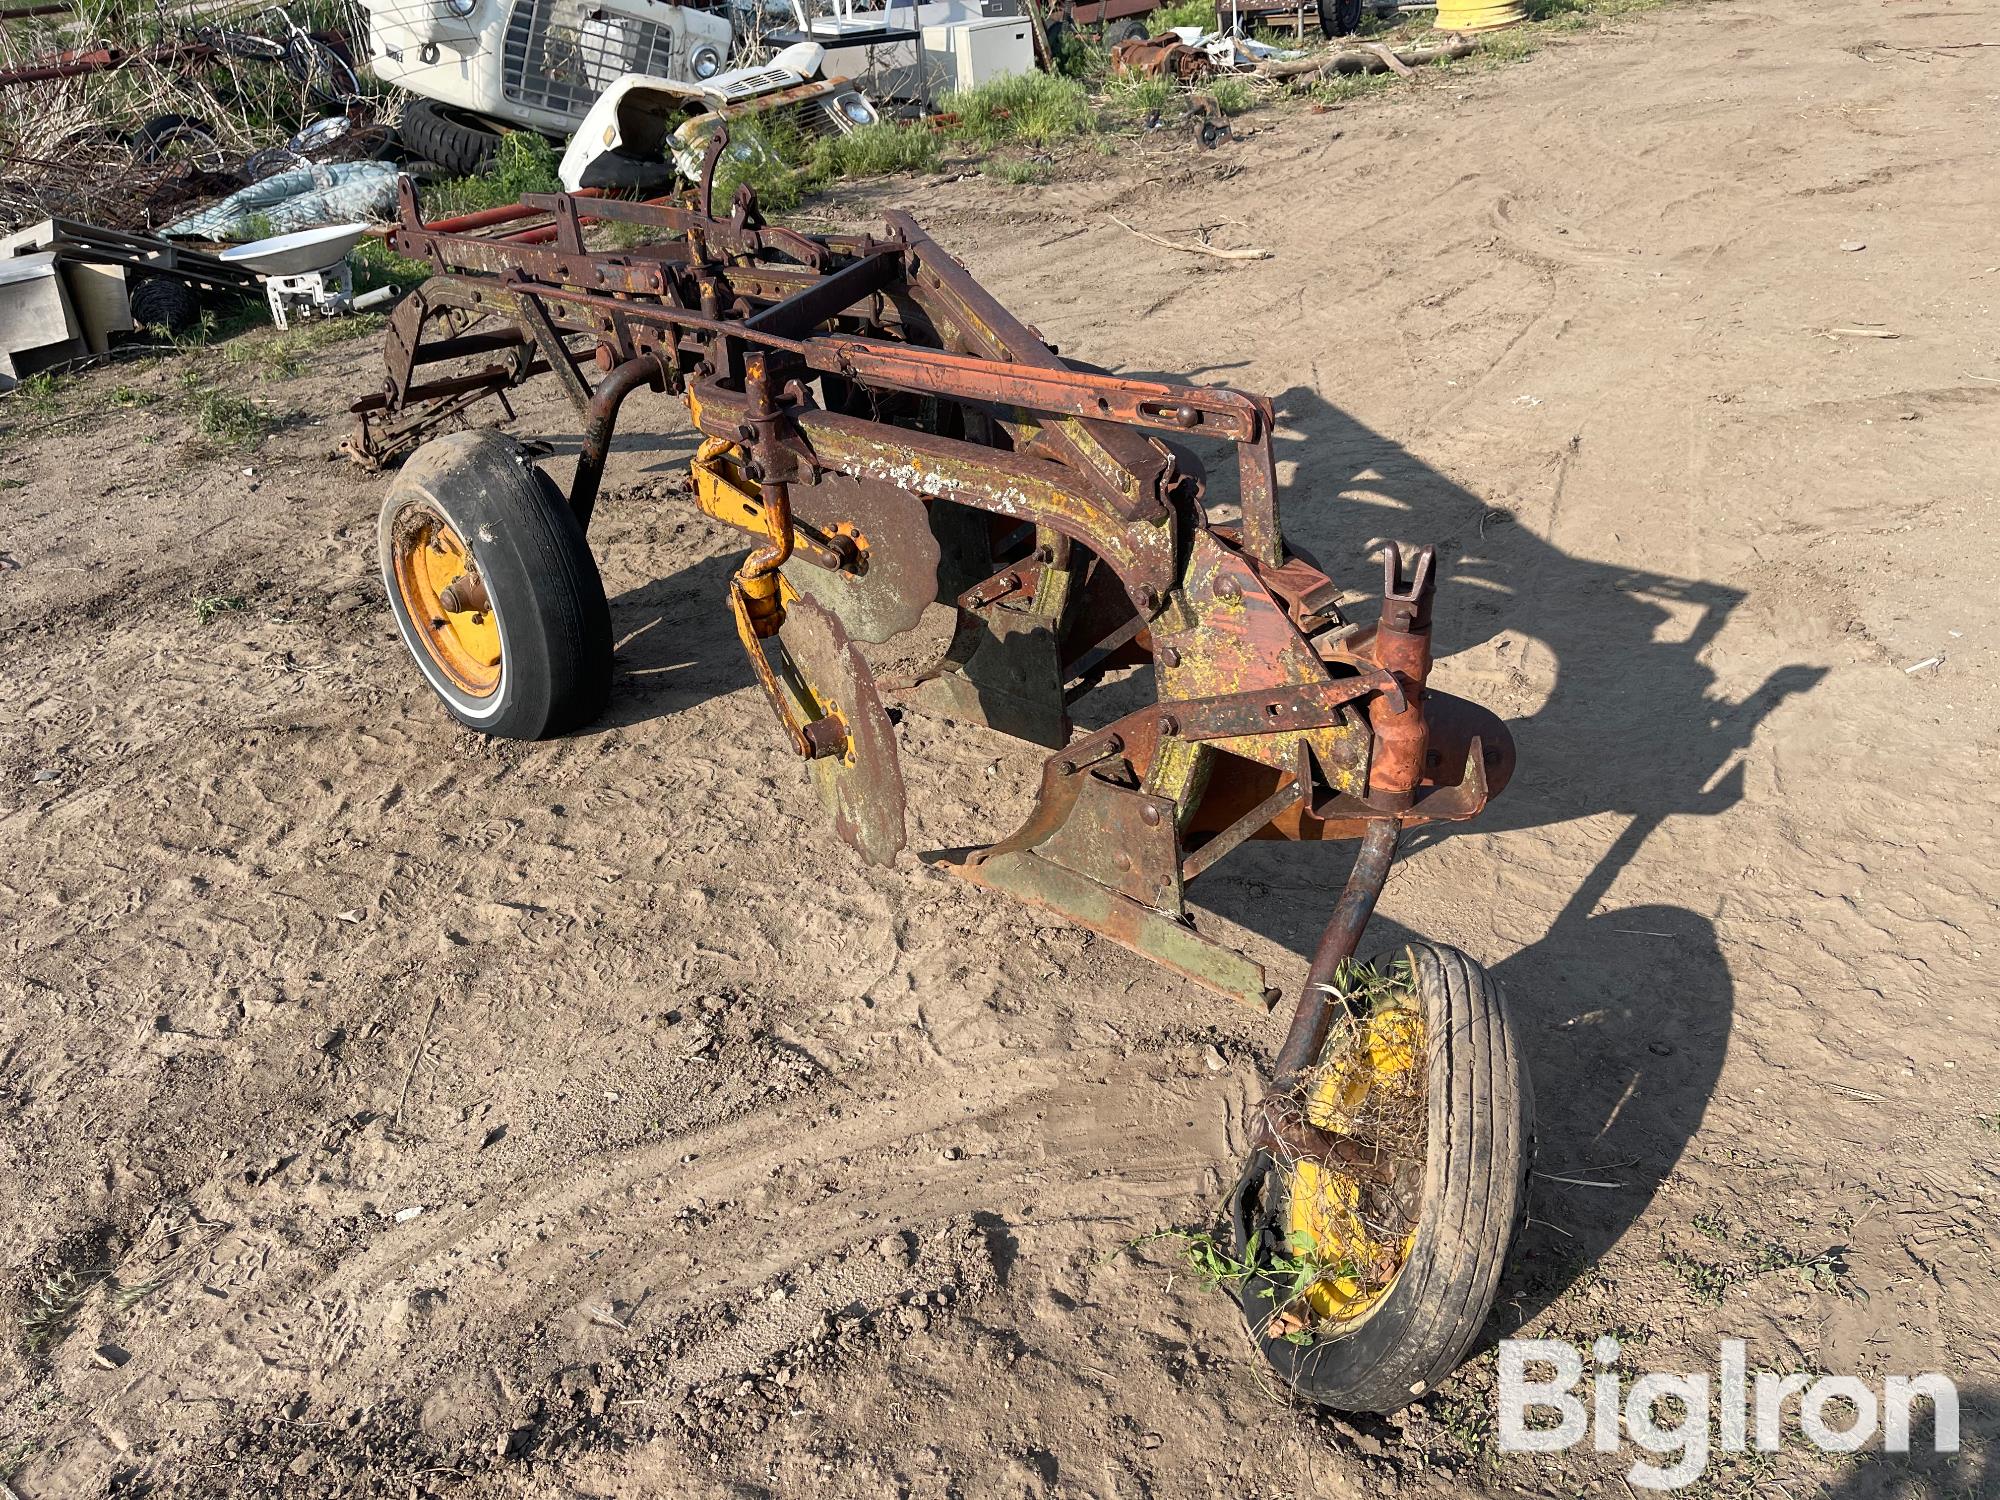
(894, 443)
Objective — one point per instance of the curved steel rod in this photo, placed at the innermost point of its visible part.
(1318, 1002)
(647, 369)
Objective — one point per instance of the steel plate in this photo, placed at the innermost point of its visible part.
(862, 788)
(900, 566)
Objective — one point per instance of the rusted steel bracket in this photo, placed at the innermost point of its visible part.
(554, 350)
(1311, 705)
(1117, 465)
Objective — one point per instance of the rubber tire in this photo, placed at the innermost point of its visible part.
(150, 141)
(321, 65)
(323, 55)
(1339, 17)
(614, 171)
(460, 143)
(165, 302)
(1125, 30)
(548, 599)
(1475, 1199)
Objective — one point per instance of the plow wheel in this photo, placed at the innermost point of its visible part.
(1375, 1269)
(494, 589)
(857, 772)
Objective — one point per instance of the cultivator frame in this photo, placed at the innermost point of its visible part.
(890, 436)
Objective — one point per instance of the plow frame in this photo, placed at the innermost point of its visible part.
(878, 363)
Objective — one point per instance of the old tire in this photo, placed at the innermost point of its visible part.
(461, 143)
(616, 171)
(176, 139)
(1125, 30)
(536, 660)
(165, 302)
(1339, 17)
(1479, 1144)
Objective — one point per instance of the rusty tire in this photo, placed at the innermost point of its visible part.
(1480, 1144)
(536, 660)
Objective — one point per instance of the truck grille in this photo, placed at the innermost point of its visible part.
(559, 55)
(808, 117)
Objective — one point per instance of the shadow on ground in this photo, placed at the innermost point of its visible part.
(1969, 1472)
(1625, 1010)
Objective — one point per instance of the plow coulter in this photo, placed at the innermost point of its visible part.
(889, 438)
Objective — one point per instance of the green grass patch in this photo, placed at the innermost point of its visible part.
(874, 151)
(1136, 100)
(525, 163)
(41, 395)
(781, 166)
(227, 419)
(1015, 171)
(1082, 58)
(1028, 109)
(767, 155)
(1182, 13)
(375, 264)
(1344, 87)
(1232, 94)
(208, 606)
(287, 353)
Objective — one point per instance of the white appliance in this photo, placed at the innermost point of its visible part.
(897, 70)
(970, 53)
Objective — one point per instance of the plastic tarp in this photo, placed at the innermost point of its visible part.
(340, 193)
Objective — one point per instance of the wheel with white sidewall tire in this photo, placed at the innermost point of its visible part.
(494, 590)
(1478, 1113)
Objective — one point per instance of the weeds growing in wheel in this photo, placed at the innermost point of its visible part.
(1346, 1228)
(1350, 1221)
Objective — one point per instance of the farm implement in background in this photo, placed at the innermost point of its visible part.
(889, 437)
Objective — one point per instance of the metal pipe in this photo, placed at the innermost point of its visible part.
(1313, 1017)
(757, 580)
(601, 421)
(506, 213)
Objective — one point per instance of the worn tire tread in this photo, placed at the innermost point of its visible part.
(1479, 1117)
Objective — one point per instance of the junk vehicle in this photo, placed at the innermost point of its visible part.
(644, 132)
(887, 437)
(480, 67)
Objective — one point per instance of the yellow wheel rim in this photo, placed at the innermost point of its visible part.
(465, 643)
(1327, 1214)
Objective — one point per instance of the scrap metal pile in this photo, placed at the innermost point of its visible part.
(889, 437)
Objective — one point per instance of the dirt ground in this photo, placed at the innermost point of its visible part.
(391, 1112)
